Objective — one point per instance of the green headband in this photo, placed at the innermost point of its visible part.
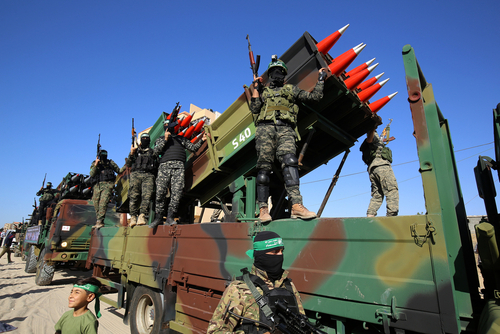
(265, 245)
(95, 290)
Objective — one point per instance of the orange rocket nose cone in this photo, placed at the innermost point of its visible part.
(340, 63)
(369, 82)
(359, 68)
(367, 93)
(356, 79)
(377, 105)
(326, 44)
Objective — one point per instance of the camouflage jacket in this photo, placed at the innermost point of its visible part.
(243, 303)
(47, 194)
(94, 170)
(257, 105)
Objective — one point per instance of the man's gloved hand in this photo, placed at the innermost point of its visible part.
(322, 75)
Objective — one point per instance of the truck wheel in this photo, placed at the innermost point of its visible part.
(146, 311)
(31, 261)
(44, 271)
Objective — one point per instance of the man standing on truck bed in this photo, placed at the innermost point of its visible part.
(268, 280)
(276, 134)
(378, 157)
(143, 163)
(47, 196)
(103, 171)
(172, 149)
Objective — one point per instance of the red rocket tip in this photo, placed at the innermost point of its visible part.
(340, 63)
(189, 132)
(326, 44)
(367, 93)
(199, 126)
(186, 120)
(377, 105)
(369, 82)
(359, 68)
(356, 79)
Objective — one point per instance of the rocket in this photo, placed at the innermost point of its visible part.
(341, 62)
(326, 44)
(189, 132)
(359, 68)
(377, 105)
(356, 79)
(370, 82)
(370, 91)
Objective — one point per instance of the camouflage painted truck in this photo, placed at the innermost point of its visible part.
(413, 274)
(64, 242)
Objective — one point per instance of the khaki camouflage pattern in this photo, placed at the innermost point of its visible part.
(271, 140)
(140, 192)
(47, 194)
(113, 165)
(102, 193)
(383, 183)
(239, 296)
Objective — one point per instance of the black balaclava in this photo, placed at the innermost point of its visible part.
(271, 264)
(276, 76)
(145, 141)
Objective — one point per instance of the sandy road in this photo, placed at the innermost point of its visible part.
(36, 309)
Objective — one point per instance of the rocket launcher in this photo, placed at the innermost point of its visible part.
(326, 44)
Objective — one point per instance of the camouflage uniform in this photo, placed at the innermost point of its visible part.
(383, 181)
(243, 303)
(171, 173)
(102, 190)
(142, 180)
(275, 136)
(47, 196)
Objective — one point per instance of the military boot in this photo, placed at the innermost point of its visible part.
(133, 221)
(170, 217)
(264, 215)
(98, 224)
(158, 221)
(142, 219)
(299, 211)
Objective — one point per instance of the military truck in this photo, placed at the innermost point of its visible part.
(64, 240)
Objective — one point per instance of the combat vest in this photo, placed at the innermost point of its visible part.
(174, 150)
(145, 161)
(369, 152)
(270, 297)
(105, 172)
(278, 104)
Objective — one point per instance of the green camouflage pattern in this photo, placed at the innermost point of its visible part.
(383, 184)
(141, 190)
(241, 301)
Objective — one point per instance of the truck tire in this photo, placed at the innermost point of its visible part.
(30, 266)
(146, 311)
(44, 271)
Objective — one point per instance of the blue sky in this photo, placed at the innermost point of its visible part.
(73, 69)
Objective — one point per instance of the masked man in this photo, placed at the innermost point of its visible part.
(47, 196)
(103, 171)
(143, 163)
(266, 279)
(172, 149)
(276, 134)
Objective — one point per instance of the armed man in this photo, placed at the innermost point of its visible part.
(103, 170)
(47, 196)
(276, 134)
(378, 157)
(143, 163)
(172, 149)
(238, 311)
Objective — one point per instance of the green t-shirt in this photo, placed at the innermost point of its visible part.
(84, 324)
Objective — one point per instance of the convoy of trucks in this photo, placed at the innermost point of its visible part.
(415, 274)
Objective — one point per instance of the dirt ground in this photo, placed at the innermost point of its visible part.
(36, 309)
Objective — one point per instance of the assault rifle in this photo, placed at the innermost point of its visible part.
(254, 65)
(172, 117)
(43, 183)
(134, 134)
(385, 133)
(99, 146)
(291, 322)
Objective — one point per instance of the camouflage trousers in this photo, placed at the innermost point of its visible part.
(170, 174)
(102, 193)
(275, 141)
(140, 192)
(383, 184)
